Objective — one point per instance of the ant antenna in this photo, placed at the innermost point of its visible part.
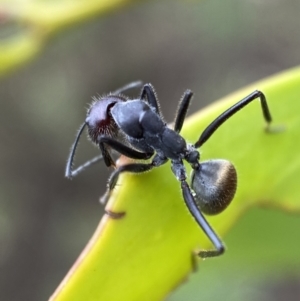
(69, 173)
(129, 86)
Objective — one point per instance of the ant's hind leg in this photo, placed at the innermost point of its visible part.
(211, 128)
(219, 248)
(189, 200)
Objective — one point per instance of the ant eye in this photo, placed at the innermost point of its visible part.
(214, 184)
(99, 120)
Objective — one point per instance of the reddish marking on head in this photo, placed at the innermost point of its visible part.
(99, 120)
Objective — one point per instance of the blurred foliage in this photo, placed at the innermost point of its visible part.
(30, 24)
(211, 47)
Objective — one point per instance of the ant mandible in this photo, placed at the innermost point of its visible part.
(135, 128)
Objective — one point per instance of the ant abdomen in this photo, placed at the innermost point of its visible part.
(214, 184)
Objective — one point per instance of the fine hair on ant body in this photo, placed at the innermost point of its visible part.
(135, 128)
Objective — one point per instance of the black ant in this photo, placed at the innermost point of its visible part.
(135, 128)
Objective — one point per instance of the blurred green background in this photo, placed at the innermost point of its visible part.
(212, 47)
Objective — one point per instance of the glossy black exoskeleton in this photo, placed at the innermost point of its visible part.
(135, 128)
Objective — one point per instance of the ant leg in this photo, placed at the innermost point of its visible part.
(149, 94)
(129, 86)
(112, 181)
(180, 173)
(231, 111)
(182, 110)
(202, 222)
(132, 168)
(120, 148)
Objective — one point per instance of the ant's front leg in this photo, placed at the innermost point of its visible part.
(113, 179)
(120, 148)
(132, 168)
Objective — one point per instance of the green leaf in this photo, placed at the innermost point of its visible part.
(262, 260)
(148, 252)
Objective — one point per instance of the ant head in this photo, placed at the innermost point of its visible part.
(214, 184)
(99, 119)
